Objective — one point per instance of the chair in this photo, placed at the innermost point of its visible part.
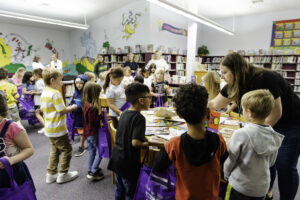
(113, 132)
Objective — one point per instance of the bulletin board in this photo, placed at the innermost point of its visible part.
(286, 34)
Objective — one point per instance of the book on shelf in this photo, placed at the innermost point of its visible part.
(111, 50)
(138, 48)
(179, 66)
(118, 50)
(106, 59)
(127, 49)
(150, 48)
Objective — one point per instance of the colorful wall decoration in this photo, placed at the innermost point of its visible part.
(286, 34)
(130, 22)
(167, 27)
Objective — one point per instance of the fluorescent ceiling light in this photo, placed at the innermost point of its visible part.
(42, 20)
(190, 15)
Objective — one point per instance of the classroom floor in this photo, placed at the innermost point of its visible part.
(81, 188)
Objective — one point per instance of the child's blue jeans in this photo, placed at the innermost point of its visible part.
(94, 159)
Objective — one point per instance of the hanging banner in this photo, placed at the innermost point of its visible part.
(171, 29)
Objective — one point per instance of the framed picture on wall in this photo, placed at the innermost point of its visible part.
(289, 26)
(297, 34)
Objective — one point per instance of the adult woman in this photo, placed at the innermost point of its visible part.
(242, 77)
(130, 62)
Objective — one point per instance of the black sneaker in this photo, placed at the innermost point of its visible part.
(95, 176)
(80, 152)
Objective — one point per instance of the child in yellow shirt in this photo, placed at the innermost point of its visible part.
(11, 94)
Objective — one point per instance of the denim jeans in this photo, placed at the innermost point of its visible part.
(94, 159)
(286, 163)
(125, 188)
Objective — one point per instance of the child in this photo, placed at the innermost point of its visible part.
(11, 94)
(139, 78)
(139, 71)
(91, 76)
(78, 113)
(197, 154)
(147, 79)
(115, 93)
(91, 124)
(101, 79)
(130, 137)
(160, 87)
(39, 87)
(152, 70)
(18, 76)
(28, 83)
(212, 84)
(252, 149)
(127, 76)
(54, 110)
(17, 147)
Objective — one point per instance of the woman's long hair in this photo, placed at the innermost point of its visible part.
(243, 73)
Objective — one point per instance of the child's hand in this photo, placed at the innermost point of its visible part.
(74, 107)
(166, 87)
(1, 165)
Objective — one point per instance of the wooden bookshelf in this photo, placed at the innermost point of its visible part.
(287, 65)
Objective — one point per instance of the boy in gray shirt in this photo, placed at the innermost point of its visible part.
(252, 149)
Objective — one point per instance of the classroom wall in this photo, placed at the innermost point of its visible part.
(162, 37)
(253, 32)
(19, 44)
(127, 26)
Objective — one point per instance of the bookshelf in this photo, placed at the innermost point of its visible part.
(176, 62)
(287, 65)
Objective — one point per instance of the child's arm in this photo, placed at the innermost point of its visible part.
(15, 93)
(234, 149)
(24, 91)
(27, 150)
(167, 88)
(161, 161)
(139, 144)
(68, 109)
(111, 105)
(152, 93)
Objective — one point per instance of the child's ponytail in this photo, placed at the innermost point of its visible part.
(115, 72)
(106, 83)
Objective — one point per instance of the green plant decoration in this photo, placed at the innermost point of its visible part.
(202, 51)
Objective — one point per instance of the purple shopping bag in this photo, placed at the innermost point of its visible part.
(70, 126)
(159, 102)
(104, 142)
(125, 106)
(25, 192)
(155, 185)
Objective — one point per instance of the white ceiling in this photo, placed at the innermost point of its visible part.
(75, 10)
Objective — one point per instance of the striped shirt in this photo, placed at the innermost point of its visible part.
(52, 104)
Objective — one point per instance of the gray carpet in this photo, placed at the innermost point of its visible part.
(81, 188)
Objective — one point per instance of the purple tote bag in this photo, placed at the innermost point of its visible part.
(155, 185)
(24, 192)
(159, 102)
(104, 142)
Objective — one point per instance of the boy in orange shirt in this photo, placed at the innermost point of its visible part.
(197, 154)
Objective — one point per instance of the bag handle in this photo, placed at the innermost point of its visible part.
(9, 171)
(146, 155)
(5, 127)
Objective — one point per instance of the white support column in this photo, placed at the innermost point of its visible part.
(191, 41)
(191, 50)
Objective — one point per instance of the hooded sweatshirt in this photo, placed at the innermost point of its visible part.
(252, 151)
(78, 114)
(198, 164)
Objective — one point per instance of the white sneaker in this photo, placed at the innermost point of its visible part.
(41, 131)
(51, 178)
(66, 177)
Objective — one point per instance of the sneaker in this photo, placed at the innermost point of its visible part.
(51, 178)
(41, 131)
(80, 152)
(66, 177)
(95, 176)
